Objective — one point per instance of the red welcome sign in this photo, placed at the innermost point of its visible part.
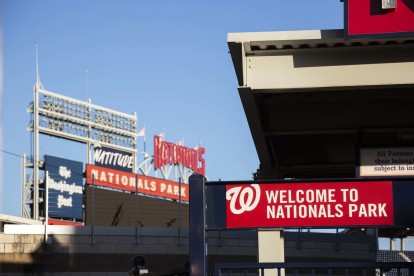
(323, 204)
(366, 18)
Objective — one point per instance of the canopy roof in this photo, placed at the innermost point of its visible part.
(312, 98)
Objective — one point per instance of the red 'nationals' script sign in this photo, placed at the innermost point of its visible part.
(310, 204)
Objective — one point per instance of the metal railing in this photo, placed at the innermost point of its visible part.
(316, 268)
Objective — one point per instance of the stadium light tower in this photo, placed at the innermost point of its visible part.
(77, 121)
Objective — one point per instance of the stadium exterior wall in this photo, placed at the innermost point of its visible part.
(83, 250)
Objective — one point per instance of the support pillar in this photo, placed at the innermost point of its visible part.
(392, 244)
(402, 247)
(271, 249)
(198, 242)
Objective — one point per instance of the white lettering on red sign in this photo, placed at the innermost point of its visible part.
(238, 201)
(166, 153)
(126, 181)
(310, 204)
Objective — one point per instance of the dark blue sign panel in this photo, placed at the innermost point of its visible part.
(65, 187)
(114, 159)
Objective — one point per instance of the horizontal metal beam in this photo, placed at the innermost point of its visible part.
(407, 131)
(82, 139)
(383, 266)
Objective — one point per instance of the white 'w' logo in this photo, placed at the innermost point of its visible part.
(245, 197)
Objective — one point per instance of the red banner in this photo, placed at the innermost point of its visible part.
(64, 222)
(125, 181)
(322, 204)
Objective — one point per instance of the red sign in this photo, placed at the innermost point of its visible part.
(327, 204)
(64, 222)
(125, 181)
(371, 18)
(166, 153)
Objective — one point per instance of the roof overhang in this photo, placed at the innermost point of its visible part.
(312, 98)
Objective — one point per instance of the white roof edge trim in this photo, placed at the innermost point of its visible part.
(18, 220)
(284, 35)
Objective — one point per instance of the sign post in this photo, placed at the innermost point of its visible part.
(198, 242)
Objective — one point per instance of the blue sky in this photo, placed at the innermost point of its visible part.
(167, 61)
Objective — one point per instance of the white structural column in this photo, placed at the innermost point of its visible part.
(271, 246)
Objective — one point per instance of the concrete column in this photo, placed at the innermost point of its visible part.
(392, 244)
(402, 247)
(271, 248)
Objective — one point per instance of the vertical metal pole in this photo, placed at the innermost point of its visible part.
(136, 208)
(337, 240)
(145, 148)
(136, 179)
(89, 152)
(198, 245)
(35, 205)
(179, 211)
(23, 185)
(46, 205)
(93, 210)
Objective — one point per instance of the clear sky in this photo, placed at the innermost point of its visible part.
(165, 60)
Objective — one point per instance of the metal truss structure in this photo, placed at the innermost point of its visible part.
(77, 121)
(168, 172)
